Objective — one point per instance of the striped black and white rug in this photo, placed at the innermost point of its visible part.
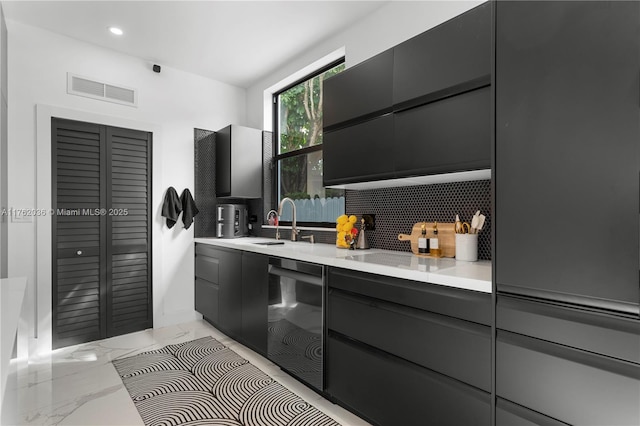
(203, 382)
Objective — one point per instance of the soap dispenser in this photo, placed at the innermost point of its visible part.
(362, 244)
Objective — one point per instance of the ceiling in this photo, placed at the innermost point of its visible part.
(236, 42)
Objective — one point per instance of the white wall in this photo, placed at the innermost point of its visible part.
(386, 27)
(3, 145)
(170, 104)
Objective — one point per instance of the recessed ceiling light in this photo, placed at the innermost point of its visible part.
(116, 30)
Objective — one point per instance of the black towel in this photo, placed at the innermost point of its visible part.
(171, 208)
(189, 209)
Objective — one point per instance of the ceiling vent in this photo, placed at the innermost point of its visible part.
(82, 86)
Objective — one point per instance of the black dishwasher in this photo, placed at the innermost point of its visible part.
(295, 327)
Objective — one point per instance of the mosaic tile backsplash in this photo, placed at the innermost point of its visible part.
(204, 191)
(398, 209)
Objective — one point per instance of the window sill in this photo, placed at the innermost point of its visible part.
(301, 228)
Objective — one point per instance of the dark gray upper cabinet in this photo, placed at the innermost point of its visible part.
(446, 60)
(238, 162)
(435, 86)
(450, 135)
(567, 152)
(368, 143)
(364, 89)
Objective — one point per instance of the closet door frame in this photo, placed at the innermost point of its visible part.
(39, 317)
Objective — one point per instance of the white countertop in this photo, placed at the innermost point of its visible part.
(444, 271)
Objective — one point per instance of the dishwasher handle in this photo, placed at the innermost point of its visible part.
(298, 276)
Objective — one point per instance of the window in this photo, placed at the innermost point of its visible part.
(298, 145)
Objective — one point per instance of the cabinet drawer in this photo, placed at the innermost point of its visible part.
(450, 135)
(390, 391)
(210, 250)
(570, 385)
(464, 304)
(456, 348)
(364, 89)
(206, 299)
(598, 332)
(359, 153)
(445, 59)
(510, 414)
(207, 268)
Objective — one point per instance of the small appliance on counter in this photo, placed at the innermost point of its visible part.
(232, 221)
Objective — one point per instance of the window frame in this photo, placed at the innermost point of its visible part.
(275, 156)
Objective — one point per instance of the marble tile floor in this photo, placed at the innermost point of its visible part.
(78, 385)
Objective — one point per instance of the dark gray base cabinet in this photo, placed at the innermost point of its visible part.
(255, 301)
(206, 300)
(221, 268)
(568, 384)
(231, 292)
(388, 390)
(510, 414)
(568, 363)
(207, 281)
(403, 352)
(450, 346)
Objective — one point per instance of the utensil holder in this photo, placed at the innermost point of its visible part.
(467, 247)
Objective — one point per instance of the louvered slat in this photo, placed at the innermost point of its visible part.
(130, 280)
(77, 313)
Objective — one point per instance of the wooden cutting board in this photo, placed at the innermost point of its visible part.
(446, 237)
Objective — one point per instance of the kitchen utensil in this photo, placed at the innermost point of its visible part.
(446, 235)
(458, 226)
(480, 223)
(474, 222)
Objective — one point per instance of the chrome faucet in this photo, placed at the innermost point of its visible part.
(294, 229)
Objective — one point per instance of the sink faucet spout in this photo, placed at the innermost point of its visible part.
(294, 229)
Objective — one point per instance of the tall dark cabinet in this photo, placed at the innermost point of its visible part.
(101, 193)
(567, 245)
(567, 152)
